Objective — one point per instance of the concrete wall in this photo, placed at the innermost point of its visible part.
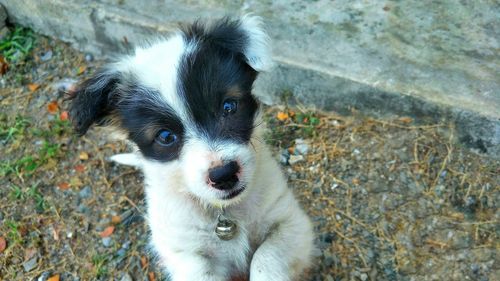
(438, 59)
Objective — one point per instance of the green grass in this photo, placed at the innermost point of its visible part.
(16, 193)
(8, 132)
(33, 193)
(21, 129)
(13, 234)
(99, 261)
(17, 45)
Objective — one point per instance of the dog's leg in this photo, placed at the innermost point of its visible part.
(286, 252)
(189, 267)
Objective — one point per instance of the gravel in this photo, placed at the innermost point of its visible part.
(389, 200)
(86, 192)
(30, 264)
(107, 242)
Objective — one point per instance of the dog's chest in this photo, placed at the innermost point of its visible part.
(180, 228)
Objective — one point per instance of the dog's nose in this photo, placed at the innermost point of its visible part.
(224, 177)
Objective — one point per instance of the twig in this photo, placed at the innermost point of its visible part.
(133, 204)
(360, 253)
(113, 180)
(407, 127)
(101, 160)
(449, 149)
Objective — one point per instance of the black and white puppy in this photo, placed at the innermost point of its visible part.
(186, 105)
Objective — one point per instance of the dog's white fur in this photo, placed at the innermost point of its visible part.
(274, 240)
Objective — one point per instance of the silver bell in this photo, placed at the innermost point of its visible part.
(225, 229)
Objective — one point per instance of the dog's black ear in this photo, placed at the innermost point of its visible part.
(92, 100)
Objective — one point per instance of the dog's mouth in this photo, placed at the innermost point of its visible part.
(230, 194)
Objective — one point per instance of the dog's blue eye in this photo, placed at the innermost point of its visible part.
(230, 107)
(166, 138)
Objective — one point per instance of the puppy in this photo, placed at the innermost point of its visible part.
(218, 205)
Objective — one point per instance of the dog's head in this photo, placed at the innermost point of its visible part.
(186, 102)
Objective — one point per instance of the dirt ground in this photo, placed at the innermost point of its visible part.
(391, 199)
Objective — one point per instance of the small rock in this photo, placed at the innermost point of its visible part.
(89, 57)
(328, 262)
(126, 277)
(121, 252)
(126, 245)
(107, 241)
(294, 159)
(484, 201)
(30, 264)
(471, 203)
(86, 192)
(284, 156)
(82, 208)
(4, 32)
(44, 276)
(439, 189)
(64, 85)
(3, 16)
(316, 191)
(301, 147)
(327, 237)
(47, 56)
(363, 276)
(474, 268)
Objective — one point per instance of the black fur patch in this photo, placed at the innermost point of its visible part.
(143, 114)
(215, 71)
(136, 109)
(92, 100)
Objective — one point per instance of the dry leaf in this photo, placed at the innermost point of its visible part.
(75, 181)
(3, 244)
(81, 70)
(29, 253)
(406, 120)
(355, 181)
(151, 276)
(84, 155)
(54, 278)
(55, 234)
(64, 116)
(33, 87)
(282, 116)
(80, 168)
(435, 243)
(4, 66)
(107, 231)
(52, 107)
(63, 185)
(51, 164)
(110, 145)
(116, 219)
(144, 262)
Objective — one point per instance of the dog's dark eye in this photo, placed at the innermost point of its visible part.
(165, 138)
(230, 107)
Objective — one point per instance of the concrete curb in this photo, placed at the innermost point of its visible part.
(332, 58)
